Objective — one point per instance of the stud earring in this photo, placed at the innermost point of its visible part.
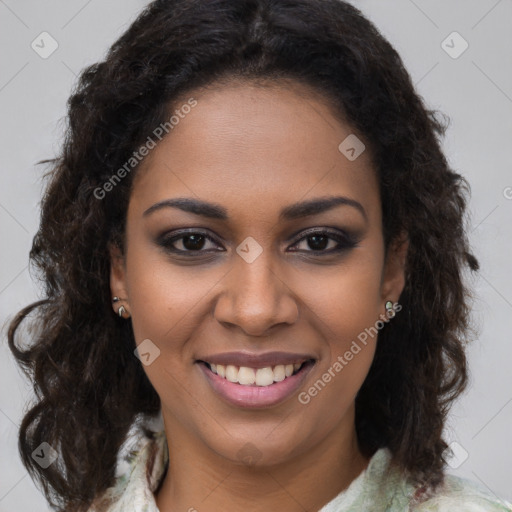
(389, 309)
(122, 310)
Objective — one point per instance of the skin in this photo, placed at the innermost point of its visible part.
(254, 151)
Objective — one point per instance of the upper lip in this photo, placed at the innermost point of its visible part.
(251, 360)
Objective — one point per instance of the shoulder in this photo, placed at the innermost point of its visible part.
(462, 495)
(140, 467)
(386, 488)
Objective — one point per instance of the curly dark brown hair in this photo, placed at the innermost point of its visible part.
(89, 385)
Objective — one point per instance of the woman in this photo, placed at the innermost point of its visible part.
(253, 237)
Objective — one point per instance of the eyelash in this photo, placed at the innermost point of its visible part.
(345, 242)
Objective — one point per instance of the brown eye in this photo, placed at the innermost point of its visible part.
(193, 242)
(188, 242)
(319, 241)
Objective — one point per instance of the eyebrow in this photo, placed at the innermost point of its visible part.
(291, 212)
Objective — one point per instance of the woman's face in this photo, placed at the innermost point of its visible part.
(275, 258)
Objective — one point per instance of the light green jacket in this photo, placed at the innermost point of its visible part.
(379, 488)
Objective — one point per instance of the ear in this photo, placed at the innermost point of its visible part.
(118, 286)
(393, 275)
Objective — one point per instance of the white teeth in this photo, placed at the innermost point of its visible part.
(264, 376)
(246, 376)
(259, 376)
(279, 373)
(232, 373)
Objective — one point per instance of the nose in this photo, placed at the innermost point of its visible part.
(256, 297)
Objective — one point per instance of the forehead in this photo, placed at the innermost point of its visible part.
(251, 146)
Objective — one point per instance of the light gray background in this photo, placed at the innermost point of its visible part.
(475, 90)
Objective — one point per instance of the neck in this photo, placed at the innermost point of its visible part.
(200, 479)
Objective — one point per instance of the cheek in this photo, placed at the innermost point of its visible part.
(164, 301)
(163, 296)
(167, 303)
(347, 322)
(345, 308)
(347, 300)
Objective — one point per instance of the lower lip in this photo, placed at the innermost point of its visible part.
(256, 396)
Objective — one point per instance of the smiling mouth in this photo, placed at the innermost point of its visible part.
(263, 377)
